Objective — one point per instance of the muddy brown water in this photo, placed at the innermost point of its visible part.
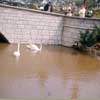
(54, 73)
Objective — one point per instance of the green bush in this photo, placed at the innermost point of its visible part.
(97, 32)
(87, 38)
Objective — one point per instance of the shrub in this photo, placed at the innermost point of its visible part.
(97, 32)
(87, 38)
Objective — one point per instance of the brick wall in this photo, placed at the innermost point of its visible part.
(24, 25)
(72, 27)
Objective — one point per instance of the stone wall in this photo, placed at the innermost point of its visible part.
(24, 25)
(72, 27)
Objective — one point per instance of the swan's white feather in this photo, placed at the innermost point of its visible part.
(17, 53)
(34, 47)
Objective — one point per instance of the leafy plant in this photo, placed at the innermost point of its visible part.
(87, 38)
(97, 32)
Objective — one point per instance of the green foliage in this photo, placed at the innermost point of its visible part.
(87, 38)
(79, 2)
(96, 31)
(91, 3)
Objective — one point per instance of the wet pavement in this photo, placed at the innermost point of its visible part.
(56, 72)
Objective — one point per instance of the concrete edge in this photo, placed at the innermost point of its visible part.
(48, 13)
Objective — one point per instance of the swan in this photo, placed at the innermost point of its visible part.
(17, 53)
(34, 47)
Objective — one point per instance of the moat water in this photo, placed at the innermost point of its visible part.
(56, 72)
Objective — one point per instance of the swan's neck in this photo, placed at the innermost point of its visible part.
(18, 47)
(40, 46)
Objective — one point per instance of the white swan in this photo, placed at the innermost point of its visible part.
(34, 47)
(17, 53)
